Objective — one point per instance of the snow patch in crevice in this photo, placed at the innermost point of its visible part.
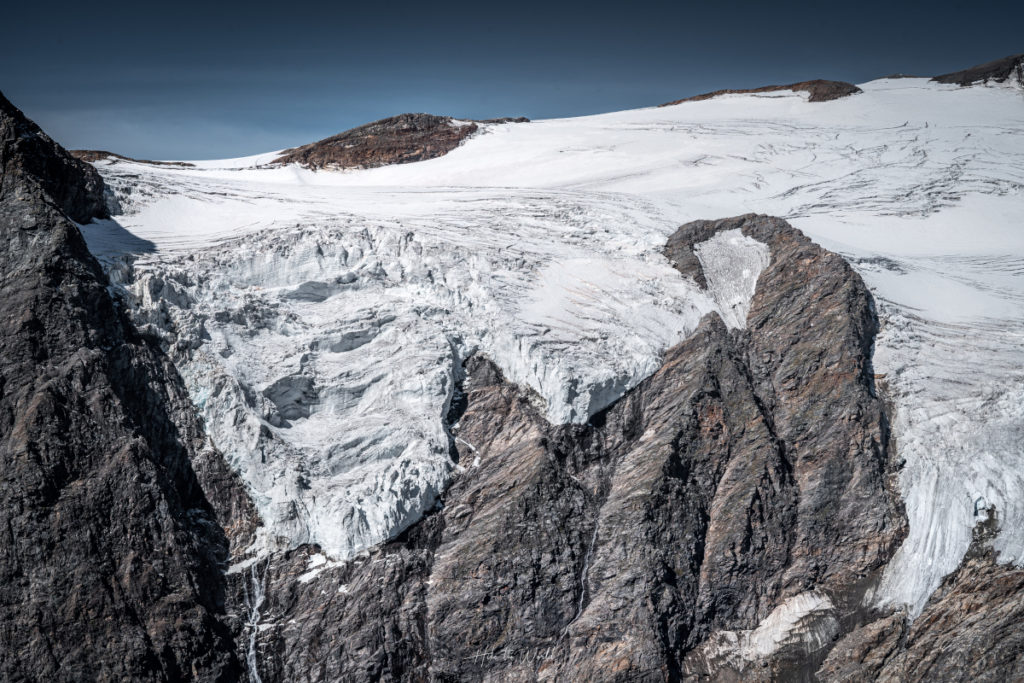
(732, 263)
(317, 564)
(802, 625)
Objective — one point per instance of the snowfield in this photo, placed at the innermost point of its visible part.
(320, 319)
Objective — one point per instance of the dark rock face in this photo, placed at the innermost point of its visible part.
(397, 140)
(750, 470)
(970, 630)
(998, 71)
(110, 563)
(30, 159)
(820, 91)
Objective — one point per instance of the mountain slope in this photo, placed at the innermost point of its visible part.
(109, 565)
(502, 419)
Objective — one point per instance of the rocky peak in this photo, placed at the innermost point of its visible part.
(398, 139)
(30, 156)
(110, 567)
(395, 140)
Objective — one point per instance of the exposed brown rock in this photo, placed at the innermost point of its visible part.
(820, 91)
(861, 655)
(998, 71)
(397, 140)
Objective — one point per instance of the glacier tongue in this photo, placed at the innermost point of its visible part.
(323, 356)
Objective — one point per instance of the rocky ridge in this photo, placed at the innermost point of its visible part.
(92, 155)
(818, 90)
(110, 568)
(997, 71)
(702, 506)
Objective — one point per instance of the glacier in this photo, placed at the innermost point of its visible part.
(320, 319)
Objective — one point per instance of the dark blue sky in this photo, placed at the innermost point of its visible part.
(205, 80)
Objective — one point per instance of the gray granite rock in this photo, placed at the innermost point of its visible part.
(111, 559)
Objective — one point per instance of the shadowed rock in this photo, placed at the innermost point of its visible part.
(110, 563)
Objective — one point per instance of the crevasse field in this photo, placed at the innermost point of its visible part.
(320, 318)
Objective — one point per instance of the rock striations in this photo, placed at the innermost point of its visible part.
(110, 559)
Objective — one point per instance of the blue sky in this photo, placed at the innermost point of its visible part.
(194, 80)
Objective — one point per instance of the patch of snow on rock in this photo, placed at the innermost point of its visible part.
(732, 262)
(802, 625)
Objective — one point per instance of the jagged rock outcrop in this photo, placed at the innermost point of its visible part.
(999, 71)
(110, 564)
(35, 167)
(819, 91)
(722, 520)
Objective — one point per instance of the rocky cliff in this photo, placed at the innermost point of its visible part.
(704, 526)
(110, 564)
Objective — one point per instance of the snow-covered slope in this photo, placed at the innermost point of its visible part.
(320, 318)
